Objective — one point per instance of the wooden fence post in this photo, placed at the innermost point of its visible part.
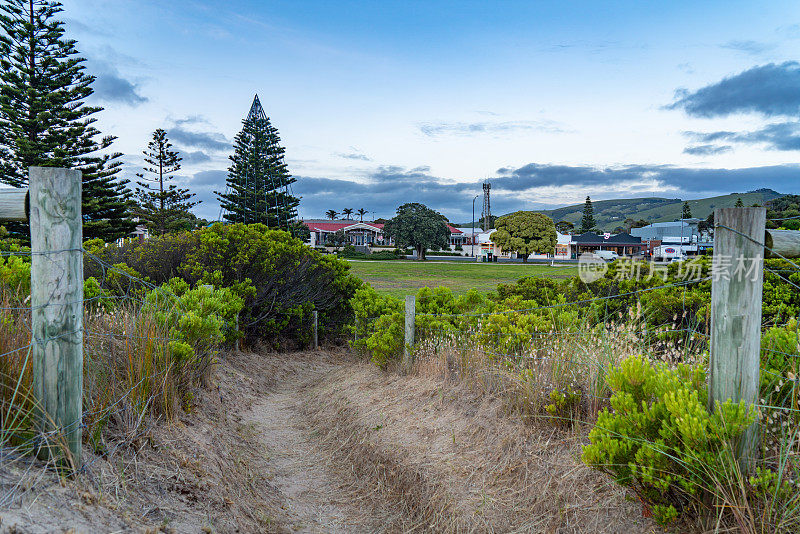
(736, 291)
(316, 331)
(236, 343)
(13, 204)
(57, 303)
(411, 302)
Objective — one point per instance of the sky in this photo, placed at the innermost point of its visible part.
(379, 103)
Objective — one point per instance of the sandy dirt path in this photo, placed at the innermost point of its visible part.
(315, 501)
(318, 442)
(244, 460)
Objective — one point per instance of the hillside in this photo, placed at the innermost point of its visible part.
(612, 213)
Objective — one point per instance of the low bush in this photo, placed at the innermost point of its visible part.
(377, 327)
(659, 439)
(15, 274)
(196, 320)
(280, 279)
(445, 253)
(382, 255)
(142, 358)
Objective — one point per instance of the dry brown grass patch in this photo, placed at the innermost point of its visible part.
(452, 460)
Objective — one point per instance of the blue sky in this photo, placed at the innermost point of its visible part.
(380, 103)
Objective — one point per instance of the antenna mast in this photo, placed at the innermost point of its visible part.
(487, 210)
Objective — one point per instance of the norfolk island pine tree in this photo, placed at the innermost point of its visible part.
(162, 209)
(44, 120)
(258, 177)
(587, 221)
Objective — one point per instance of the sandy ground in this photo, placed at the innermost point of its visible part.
(319, 442)
(315, 500)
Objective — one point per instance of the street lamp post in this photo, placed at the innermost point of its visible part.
(473, 227)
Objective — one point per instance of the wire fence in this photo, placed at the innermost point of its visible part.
(132, 379)
(549, 359)
(553, 366)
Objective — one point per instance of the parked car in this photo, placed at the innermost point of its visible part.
(608, 255)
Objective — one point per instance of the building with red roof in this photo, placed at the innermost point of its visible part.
(361, 233)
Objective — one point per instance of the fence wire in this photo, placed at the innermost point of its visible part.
(131, 381)
(556, 373)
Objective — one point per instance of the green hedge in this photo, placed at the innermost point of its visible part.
(280, 278)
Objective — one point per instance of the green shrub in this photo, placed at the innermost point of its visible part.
(778, 391)
(780, 350)
(10, 244)
(281, 279)
(659, 438)
(564, 407)
(15, 274)
(95, 297)
(198, 320)
(159, 258)
(378, 324)
(382, 255)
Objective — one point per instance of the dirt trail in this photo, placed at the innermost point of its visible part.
(316, 442)
(314, 499)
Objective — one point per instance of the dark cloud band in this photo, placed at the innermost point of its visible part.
(771, 90)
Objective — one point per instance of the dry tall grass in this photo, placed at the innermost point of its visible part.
(131, 381)
(565, 368)
(559, 379)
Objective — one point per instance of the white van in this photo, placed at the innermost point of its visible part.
(608, 255)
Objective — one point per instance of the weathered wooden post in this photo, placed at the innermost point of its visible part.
(737, 285)
(411, 303)
(316, 332)
(13, 204)
(784, 243)
(57, 303)
(236, 343)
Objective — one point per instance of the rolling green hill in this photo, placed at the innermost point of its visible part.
(612, 213)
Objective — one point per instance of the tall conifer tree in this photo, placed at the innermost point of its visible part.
(587, 221)
(44, 120)
(258, 178)
(167, 208)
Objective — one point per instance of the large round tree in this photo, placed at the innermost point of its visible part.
(525, 232)
(418, 226)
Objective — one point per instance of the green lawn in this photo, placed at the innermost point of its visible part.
(400, 278)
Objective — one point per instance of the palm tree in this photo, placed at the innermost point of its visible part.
(331, 214)
(347, 212)
(361, 212)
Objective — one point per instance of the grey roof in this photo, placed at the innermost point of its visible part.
(590, 238)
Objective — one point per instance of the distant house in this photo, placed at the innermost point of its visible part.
(360, 233)
(674, 232)
(623, 244)
(457, 236)
(562, 245)
(140, 233)
(485, 246)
